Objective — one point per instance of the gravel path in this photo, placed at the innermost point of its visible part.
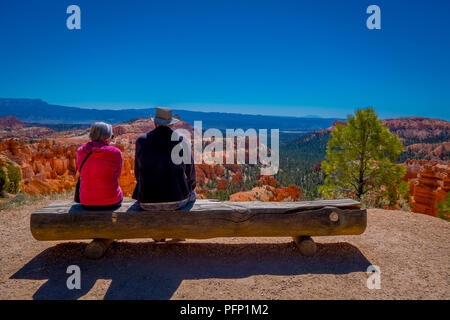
(411, 250)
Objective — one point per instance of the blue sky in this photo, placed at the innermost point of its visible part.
(262, 57)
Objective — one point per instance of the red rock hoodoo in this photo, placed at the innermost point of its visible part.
(429, 183)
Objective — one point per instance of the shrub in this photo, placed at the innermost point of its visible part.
(15, 176)
(4, 181)
(444, 208)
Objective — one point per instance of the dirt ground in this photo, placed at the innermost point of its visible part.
(411, 250)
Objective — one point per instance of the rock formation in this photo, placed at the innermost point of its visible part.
(418, 128)
(429, 183)
(11, 127)
(423, 138)
(11, 122)
(269, 191)
(46, 168)
(48, 162)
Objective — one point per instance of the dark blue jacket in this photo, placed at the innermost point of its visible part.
(158, 178)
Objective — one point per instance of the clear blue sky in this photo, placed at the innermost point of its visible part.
(265, 57)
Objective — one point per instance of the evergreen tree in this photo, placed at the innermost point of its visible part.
(361, 158)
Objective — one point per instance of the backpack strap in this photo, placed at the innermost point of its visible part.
(82, 164)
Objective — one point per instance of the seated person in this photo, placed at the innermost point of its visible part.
(99, 187)
(162, 184)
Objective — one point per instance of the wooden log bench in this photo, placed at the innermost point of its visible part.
(65, 220)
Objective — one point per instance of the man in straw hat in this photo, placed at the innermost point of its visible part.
(162, 184)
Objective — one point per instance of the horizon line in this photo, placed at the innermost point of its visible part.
(182, 107)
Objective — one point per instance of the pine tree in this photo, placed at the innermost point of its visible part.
(361, 158)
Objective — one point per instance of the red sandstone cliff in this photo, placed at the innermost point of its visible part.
(418, 128)
(11, 122)
(423, 138)
(11, 127)
(411, 127)
(269, 191)
(429, 183)
(46, 168)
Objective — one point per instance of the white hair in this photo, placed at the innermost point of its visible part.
(100, 131)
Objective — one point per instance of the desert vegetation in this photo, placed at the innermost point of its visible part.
(361, 161)
(10, 176)
(444, 208)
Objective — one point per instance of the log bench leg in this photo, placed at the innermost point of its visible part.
(97, 248)
(306, 245)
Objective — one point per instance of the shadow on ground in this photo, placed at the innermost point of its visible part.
(154, 271)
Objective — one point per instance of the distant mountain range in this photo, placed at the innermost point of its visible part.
(38, 111)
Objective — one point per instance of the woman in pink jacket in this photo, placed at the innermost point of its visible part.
(99, 187)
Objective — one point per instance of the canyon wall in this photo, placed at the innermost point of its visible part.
(46, 168)
(48, 163)
(49, 166)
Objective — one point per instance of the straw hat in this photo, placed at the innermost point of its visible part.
(164, 116)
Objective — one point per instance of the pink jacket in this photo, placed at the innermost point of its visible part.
(100, 175)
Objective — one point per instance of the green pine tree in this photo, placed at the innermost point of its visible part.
(361, 159)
